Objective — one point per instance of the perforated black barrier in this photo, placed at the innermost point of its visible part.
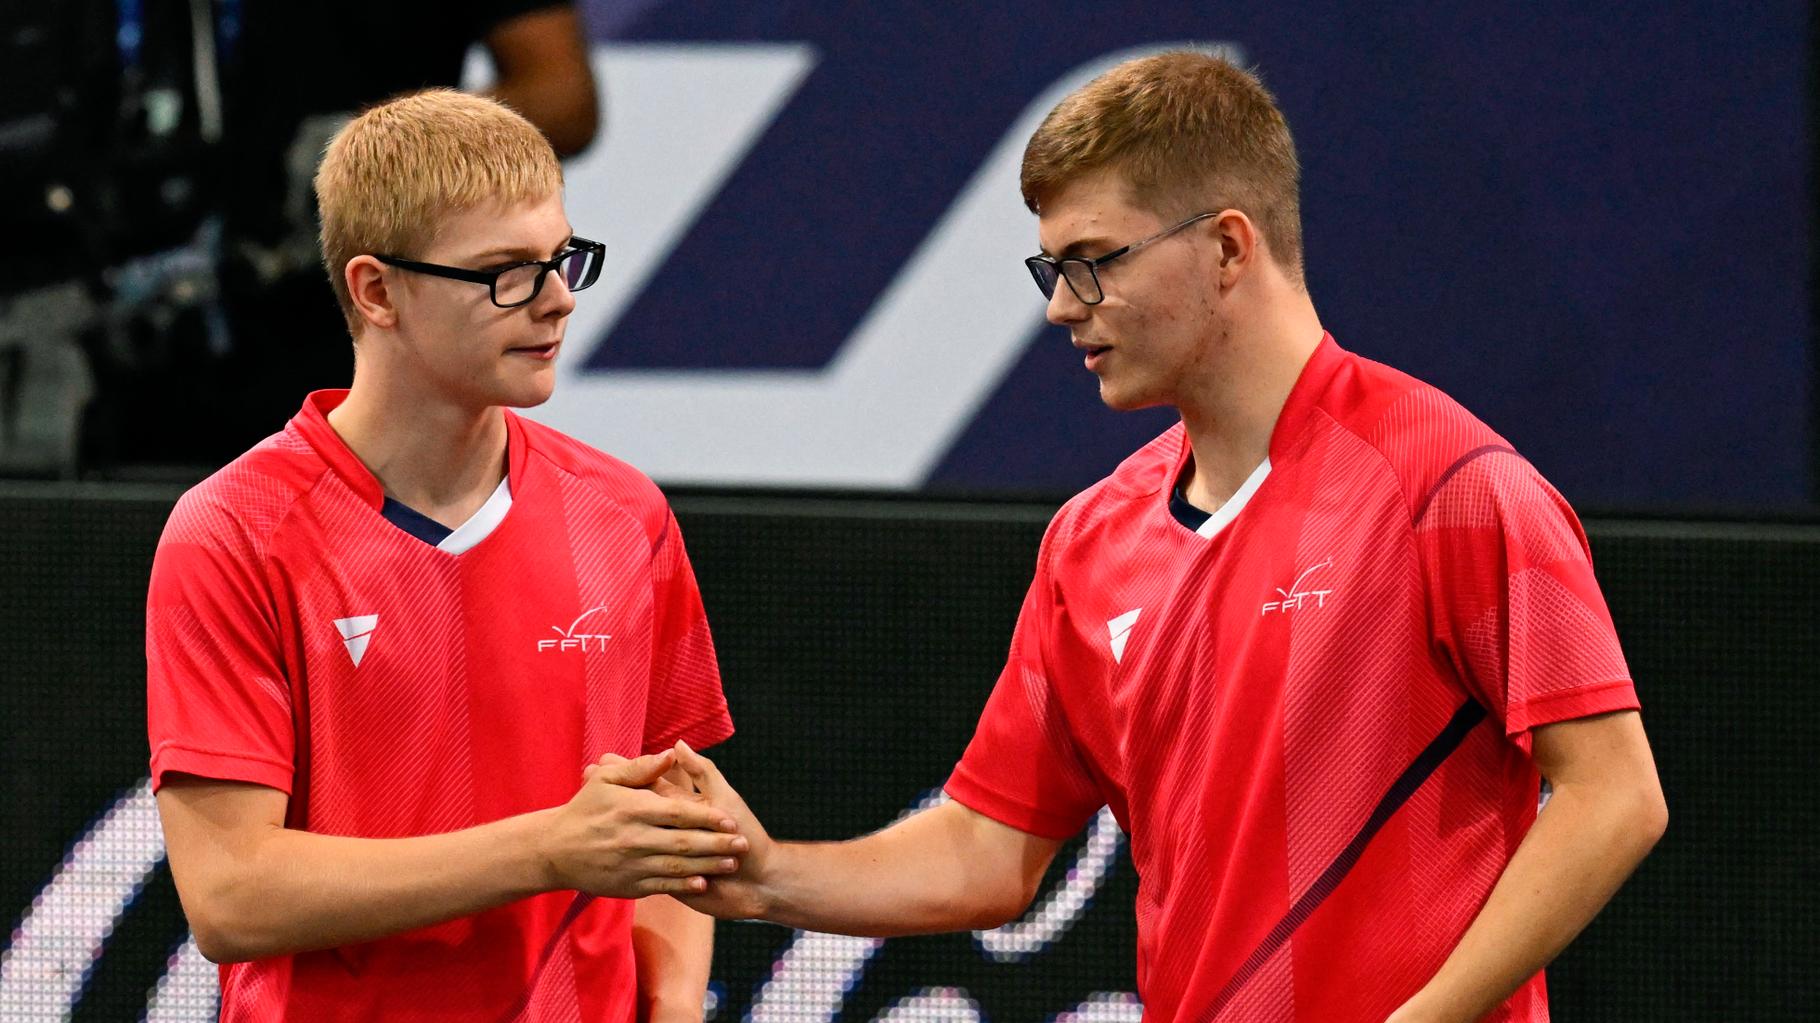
(859, 641)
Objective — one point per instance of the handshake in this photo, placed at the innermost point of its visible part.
(664, 824)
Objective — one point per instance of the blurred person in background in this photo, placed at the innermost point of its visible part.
(289, 76)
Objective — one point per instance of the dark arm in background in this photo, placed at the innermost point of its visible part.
(544, 74)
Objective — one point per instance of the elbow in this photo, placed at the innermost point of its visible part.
(577, 130)
(1652, 819)
(1637, 822)
(1003, 904)
(218, 944)
(223, 932)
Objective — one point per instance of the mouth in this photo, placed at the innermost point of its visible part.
(1096, 354)
(542, 353)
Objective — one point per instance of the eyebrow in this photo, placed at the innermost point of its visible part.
(1081, 245)
(520, 251)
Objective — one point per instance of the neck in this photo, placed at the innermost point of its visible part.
(439, 458)
(1231, 410)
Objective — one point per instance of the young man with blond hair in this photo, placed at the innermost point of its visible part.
(388, 646)
(1314, 646)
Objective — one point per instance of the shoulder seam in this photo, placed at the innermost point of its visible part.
(663, 534)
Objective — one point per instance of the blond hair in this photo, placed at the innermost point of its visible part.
(1188, 132)
(392, 174)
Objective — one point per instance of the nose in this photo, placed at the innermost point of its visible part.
(1065, 307)
(555, 300)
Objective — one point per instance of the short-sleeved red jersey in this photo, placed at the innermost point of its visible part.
(1312, 714)
(295, 638)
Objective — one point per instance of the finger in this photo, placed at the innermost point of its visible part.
(672, 886)
(670, 790)
(689, 866)
(608, 759)
(638, 773)
(682, 813)
(680, 842)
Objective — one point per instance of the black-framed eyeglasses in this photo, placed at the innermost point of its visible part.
(518, 284)
(1082, 273)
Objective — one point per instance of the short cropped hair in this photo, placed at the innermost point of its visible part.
(392, 175)
(1188, 132)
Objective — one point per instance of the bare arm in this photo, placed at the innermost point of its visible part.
(253, 888)
(674, 948)
(949, 868)
(1604, 816)
(544, 74)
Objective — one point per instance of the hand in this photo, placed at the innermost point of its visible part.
(739, 894)
(619, 839)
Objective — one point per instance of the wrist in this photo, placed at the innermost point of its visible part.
(772, 883)
(534, 853)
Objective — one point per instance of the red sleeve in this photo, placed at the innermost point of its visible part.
(1512, 597)
(218, 703)
(1022, 767)
(686, 700)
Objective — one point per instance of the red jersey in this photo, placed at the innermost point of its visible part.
(297, 639)
(1311, 715)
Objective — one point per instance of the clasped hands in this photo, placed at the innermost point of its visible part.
(662, 824)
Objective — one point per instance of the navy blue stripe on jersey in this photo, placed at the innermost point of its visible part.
(1185, 513)
(1425, 763)
(414, 522)
(1460, 463)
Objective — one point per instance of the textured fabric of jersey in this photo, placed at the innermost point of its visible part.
(1315, 724)
(297, 639)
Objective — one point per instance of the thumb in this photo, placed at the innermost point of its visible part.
(700, 769)
(637, 774)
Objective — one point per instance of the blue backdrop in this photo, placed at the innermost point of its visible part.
(1591, 226)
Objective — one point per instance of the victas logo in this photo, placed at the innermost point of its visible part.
(356, 634)
(573, 638)
(1296, 596)
(1119, 630)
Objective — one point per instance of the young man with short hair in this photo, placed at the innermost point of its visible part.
(387, 645)
(1314, 646)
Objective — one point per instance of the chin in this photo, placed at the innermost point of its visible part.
(526, 393)
(1125, 399)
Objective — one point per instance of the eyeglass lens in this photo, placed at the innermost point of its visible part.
(516, 286)
(1080, 277)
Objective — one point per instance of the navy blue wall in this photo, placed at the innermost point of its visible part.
(1593, 226)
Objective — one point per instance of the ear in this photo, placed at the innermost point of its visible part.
(367, 289)
(1240, 246)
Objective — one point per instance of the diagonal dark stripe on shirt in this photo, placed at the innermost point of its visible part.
(1425, 763)
(576, 905)
(1462, 462)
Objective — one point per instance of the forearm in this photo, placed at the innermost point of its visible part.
(673, 947)
(920, 876)
(292, 891)
(1583, 845)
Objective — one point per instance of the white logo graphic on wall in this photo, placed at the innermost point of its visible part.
(1296, 597)
(573, 638)
(1120, 630)
(356, 633)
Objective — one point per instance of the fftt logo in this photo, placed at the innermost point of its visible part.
(1295, 596)
(573, 639)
